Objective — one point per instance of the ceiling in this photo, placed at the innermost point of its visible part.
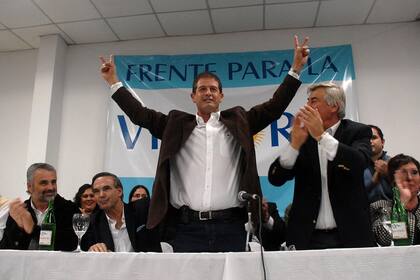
(22, 22)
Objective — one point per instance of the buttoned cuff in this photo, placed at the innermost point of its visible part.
(114, 87)
(269, 224)
(288, 156)
(294, 74)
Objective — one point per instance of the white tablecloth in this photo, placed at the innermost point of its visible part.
(367, 263)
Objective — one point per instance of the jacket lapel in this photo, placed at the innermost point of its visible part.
(130, 224)
(187, 128)
(339, 135)
(105, 232)
(312, 150)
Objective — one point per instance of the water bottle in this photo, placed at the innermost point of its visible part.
(399, 221)
(48, 227)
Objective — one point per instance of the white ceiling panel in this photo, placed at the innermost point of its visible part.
(186, 23)
(178, 5)
(114, 8)
(289, 1)
(94, 31)
(21, 13)
(294, 15)
(136, 27)
(91, 21)
(338, 12)
(31, 35)
(9, 42)
(233, 19)
(232, 3)
(68, 10)
(394, 11)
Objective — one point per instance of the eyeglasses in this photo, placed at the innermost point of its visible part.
(406, 173)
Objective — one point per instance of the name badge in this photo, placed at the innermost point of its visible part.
(45, 237)
(399, 230)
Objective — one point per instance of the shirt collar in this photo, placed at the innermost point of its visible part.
(331, 130)
(113, 222)
(214, 117)
(37, 212)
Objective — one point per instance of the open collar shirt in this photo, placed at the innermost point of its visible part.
(205, 171)
(120, 236)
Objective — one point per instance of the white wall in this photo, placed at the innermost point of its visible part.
(387, 69)
(17, 71)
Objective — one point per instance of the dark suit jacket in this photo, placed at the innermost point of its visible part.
(65, 238)
(142, 239)
(272, 239)
(175, 128)
(345, 185)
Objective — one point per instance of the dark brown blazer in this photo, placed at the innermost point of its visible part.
(175, 128)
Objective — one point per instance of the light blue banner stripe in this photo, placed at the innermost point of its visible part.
(129, 182)
(282, 196)
(234, 69)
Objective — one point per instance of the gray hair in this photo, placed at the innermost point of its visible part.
(34, 167)
(334, 96)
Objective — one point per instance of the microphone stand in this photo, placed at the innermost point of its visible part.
(249, 228)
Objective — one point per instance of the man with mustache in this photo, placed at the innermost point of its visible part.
(206, 158)
(25, 218)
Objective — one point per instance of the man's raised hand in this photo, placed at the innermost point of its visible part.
(108, 70)
(301, 54)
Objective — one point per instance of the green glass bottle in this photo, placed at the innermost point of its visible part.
(48, 227)
(399, 221)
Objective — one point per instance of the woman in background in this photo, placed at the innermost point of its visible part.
(138, 192)
(403, 172)
(85, 199)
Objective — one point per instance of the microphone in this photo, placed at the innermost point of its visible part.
(244, 196)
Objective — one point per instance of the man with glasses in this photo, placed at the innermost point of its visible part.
(117, 227)
(404, 175)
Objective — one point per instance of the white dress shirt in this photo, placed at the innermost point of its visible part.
(120, 236)
(205, 171)
(40, 215)
(327, 150)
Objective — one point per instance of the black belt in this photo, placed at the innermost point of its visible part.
(187, 215)
(327, 230)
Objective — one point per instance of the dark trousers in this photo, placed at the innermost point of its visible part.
(209, 236)
(324, 239)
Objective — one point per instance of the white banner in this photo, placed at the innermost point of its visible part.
(164, 83)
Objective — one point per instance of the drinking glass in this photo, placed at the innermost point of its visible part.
(386, 223)
(80, 226)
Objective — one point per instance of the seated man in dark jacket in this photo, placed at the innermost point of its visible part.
(118, 227)
(273, 233)
(23, 225)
